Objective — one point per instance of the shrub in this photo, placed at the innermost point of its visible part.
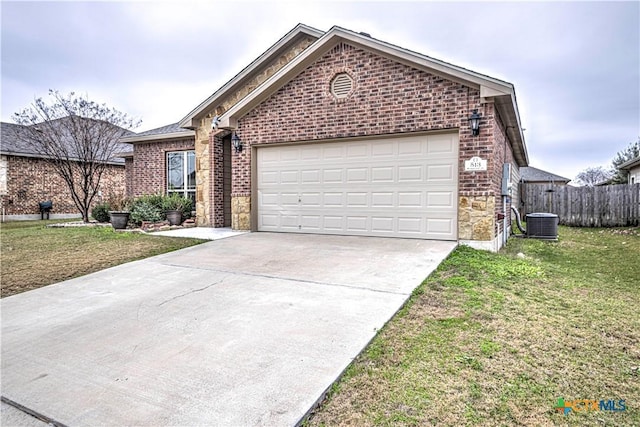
(144, 210)
(175, 202)
(118, 202)
(100, 212)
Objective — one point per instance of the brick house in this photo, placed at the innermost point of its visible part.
(26, 179)
(340, 133)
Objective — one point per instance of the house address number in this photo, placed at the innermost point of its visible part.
(475, 164)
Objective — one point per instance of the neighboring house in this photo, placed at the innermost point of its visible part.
(633, 166)
(532, 175)
(341, 133)
(26, 179)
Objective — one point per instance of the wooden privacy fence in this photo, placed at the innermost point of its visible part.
(605, 206)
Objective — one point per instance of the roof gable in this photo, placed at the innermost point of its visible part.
(250, 75)
(500, 92)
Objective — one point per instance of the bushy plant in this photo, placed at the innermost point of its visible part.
(118, 202)
(144, 210)
(175, 202)
(100, 212)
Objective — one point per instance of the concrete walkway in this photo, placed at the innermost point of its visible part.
(207, 233)
(244, 331)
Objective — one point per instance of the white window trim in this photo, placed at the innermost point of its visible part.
(185, 177)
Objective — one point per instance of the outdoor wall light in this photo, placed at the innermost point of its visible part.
(236, 142)
(474, 120)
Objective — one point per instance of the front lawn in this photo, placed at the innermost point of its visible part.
(32, 255)
(497, 339)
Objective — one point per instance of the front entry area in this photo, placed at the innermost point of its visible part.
(397, 186)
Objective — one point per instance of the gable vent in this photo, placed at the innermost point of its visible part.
(341, 85)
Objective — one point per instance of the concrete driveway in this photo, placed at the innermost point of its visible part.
(249, 330)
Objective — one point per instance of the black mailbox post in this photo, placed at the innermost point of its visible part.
(45, 207)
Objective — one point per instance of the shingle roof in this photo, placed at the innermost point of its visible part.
(10, 144)
(164, 132)
(172, 128)
(534, 174)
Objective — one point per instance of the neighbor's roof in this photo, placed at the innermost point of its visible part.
(630, 164)
(531, 174)
(171, 131)
(11, 145)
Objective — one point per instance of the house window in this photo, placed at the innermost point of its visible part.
(633, 180)
(181, 174)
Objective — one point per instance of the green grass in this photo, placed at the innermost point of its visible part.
(32, 255)
(495, 339)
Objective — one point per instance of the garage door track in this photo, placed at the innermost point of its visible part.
(249, 330)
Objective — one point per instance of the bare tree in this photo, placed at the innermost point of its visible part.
(78, 137)
(593, 176)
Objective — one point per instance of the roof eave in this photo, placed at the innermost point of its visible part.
(629, 164)
(157, 137)
(42, 157)
(188, 121)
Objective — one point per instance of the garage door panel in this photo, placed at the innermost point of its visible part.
(380, 224)
(382, 174)
(411, 148)
(410, 173)
(404, 187)
(440, 173)
(332, 176)
(357, 175)
(410, 199)
(382, 199)
(442, 144)
(440, 199)
(356, 223)
(290, 199)
(356, 200)
(355, 151)
(383, 149)
(310, 176)
(440, 226)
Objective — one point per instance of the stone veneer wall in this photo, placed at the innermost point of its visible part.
(31, 180)
(388, 98)
(209, 210)
(241, 212)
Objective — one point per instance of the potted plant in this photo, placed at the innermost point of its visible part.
(119, 211)
(175, 206)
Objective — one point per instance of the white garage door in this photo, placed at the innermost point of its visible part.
(394, 187)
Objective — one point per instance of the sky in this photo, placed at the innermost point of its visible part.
(575, 65)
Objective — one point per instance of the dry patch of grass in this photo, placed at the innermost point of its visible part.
(32, 255)
(492, 339)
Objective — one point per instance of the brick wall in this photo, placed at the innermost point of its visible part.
(149, 164)
(128, 168)
(388, 97)
(32, 180)
(502, 153)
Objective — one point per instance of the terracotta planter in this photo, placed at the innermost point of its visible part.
(174, 217)
(119, 219)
